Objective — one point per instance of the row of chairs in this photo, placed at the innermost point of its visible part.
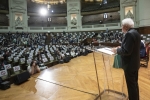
(70, 37)
(50, 55)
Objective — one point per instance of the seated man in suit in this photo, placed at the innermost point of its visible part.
(5, 57)
(1, 65)
(33, 68)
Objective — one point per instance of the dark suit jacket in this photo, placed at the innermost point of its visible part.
(130, 51)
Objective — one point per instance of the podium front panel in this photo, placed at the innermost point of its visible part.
(111, 80)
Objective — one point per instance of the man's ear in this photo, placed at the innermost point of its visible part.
(126, 27)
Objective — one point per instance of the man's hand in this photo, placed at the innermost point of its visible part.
(118, 47)
(115, 49)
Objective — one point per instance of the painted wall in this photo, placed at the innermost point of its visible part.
(74, 17)
(18, 15)
(95, 19)
(144, 13)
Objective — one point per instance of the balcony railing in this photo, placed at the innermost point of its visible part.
(63, 28)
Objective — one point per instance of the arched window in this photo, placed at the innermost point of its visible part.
(105, 15)
(49, 19)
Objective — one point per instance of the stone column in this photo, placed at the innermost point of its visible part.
(129, 9)
(18, 19)
(74, 19)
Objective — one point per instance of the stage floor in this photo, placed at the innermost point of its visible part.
(75, 80)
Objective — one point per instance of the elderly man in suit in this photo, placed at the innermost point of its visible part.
(130, 57)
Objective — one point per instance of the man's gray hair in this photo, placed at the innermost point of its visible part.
(128, 22)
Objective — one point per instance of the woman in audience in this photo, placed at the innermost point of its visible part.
(142, 48)
(33, 68)
(147, 48)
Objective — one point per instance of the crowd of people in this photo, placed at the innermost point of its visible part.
(21, 39)
(22, 45)
(63, 46)
(31, 39)
(110, 36)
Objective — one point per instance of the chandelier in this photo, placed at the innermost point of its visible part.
(49, 1)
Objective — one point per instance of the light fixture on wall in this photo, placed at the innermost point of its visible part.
(100, 22)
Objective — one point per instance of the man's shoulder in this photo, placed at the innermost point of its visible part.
(134, 34)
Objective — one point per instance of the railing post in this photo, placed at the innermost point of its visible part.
(92, 26)
(104, 25)
(119, 24)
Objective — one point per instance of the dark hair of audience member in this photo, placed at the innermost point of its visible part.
(141, 37)
(33, 62)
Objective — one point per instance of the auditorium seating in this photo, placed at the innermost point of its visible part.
(62, 48)
(144, 60)
(146, 37)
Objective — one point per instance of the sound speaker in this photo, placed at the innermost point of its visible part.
(22, 77)
(66, 59)
(61, 61)
(5, 85)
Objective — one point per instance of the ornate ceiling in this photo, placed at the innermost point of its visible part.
(86, 6)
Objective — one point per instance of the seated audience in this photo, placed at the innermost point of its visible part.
(1, 65)
(5, 57)
(147, 47)
(94, 40)
(73, 54)
(142, 49)
(39, 57)
(33, 68)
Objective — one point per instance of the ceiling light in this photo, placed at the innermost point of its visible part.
(43, 11)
